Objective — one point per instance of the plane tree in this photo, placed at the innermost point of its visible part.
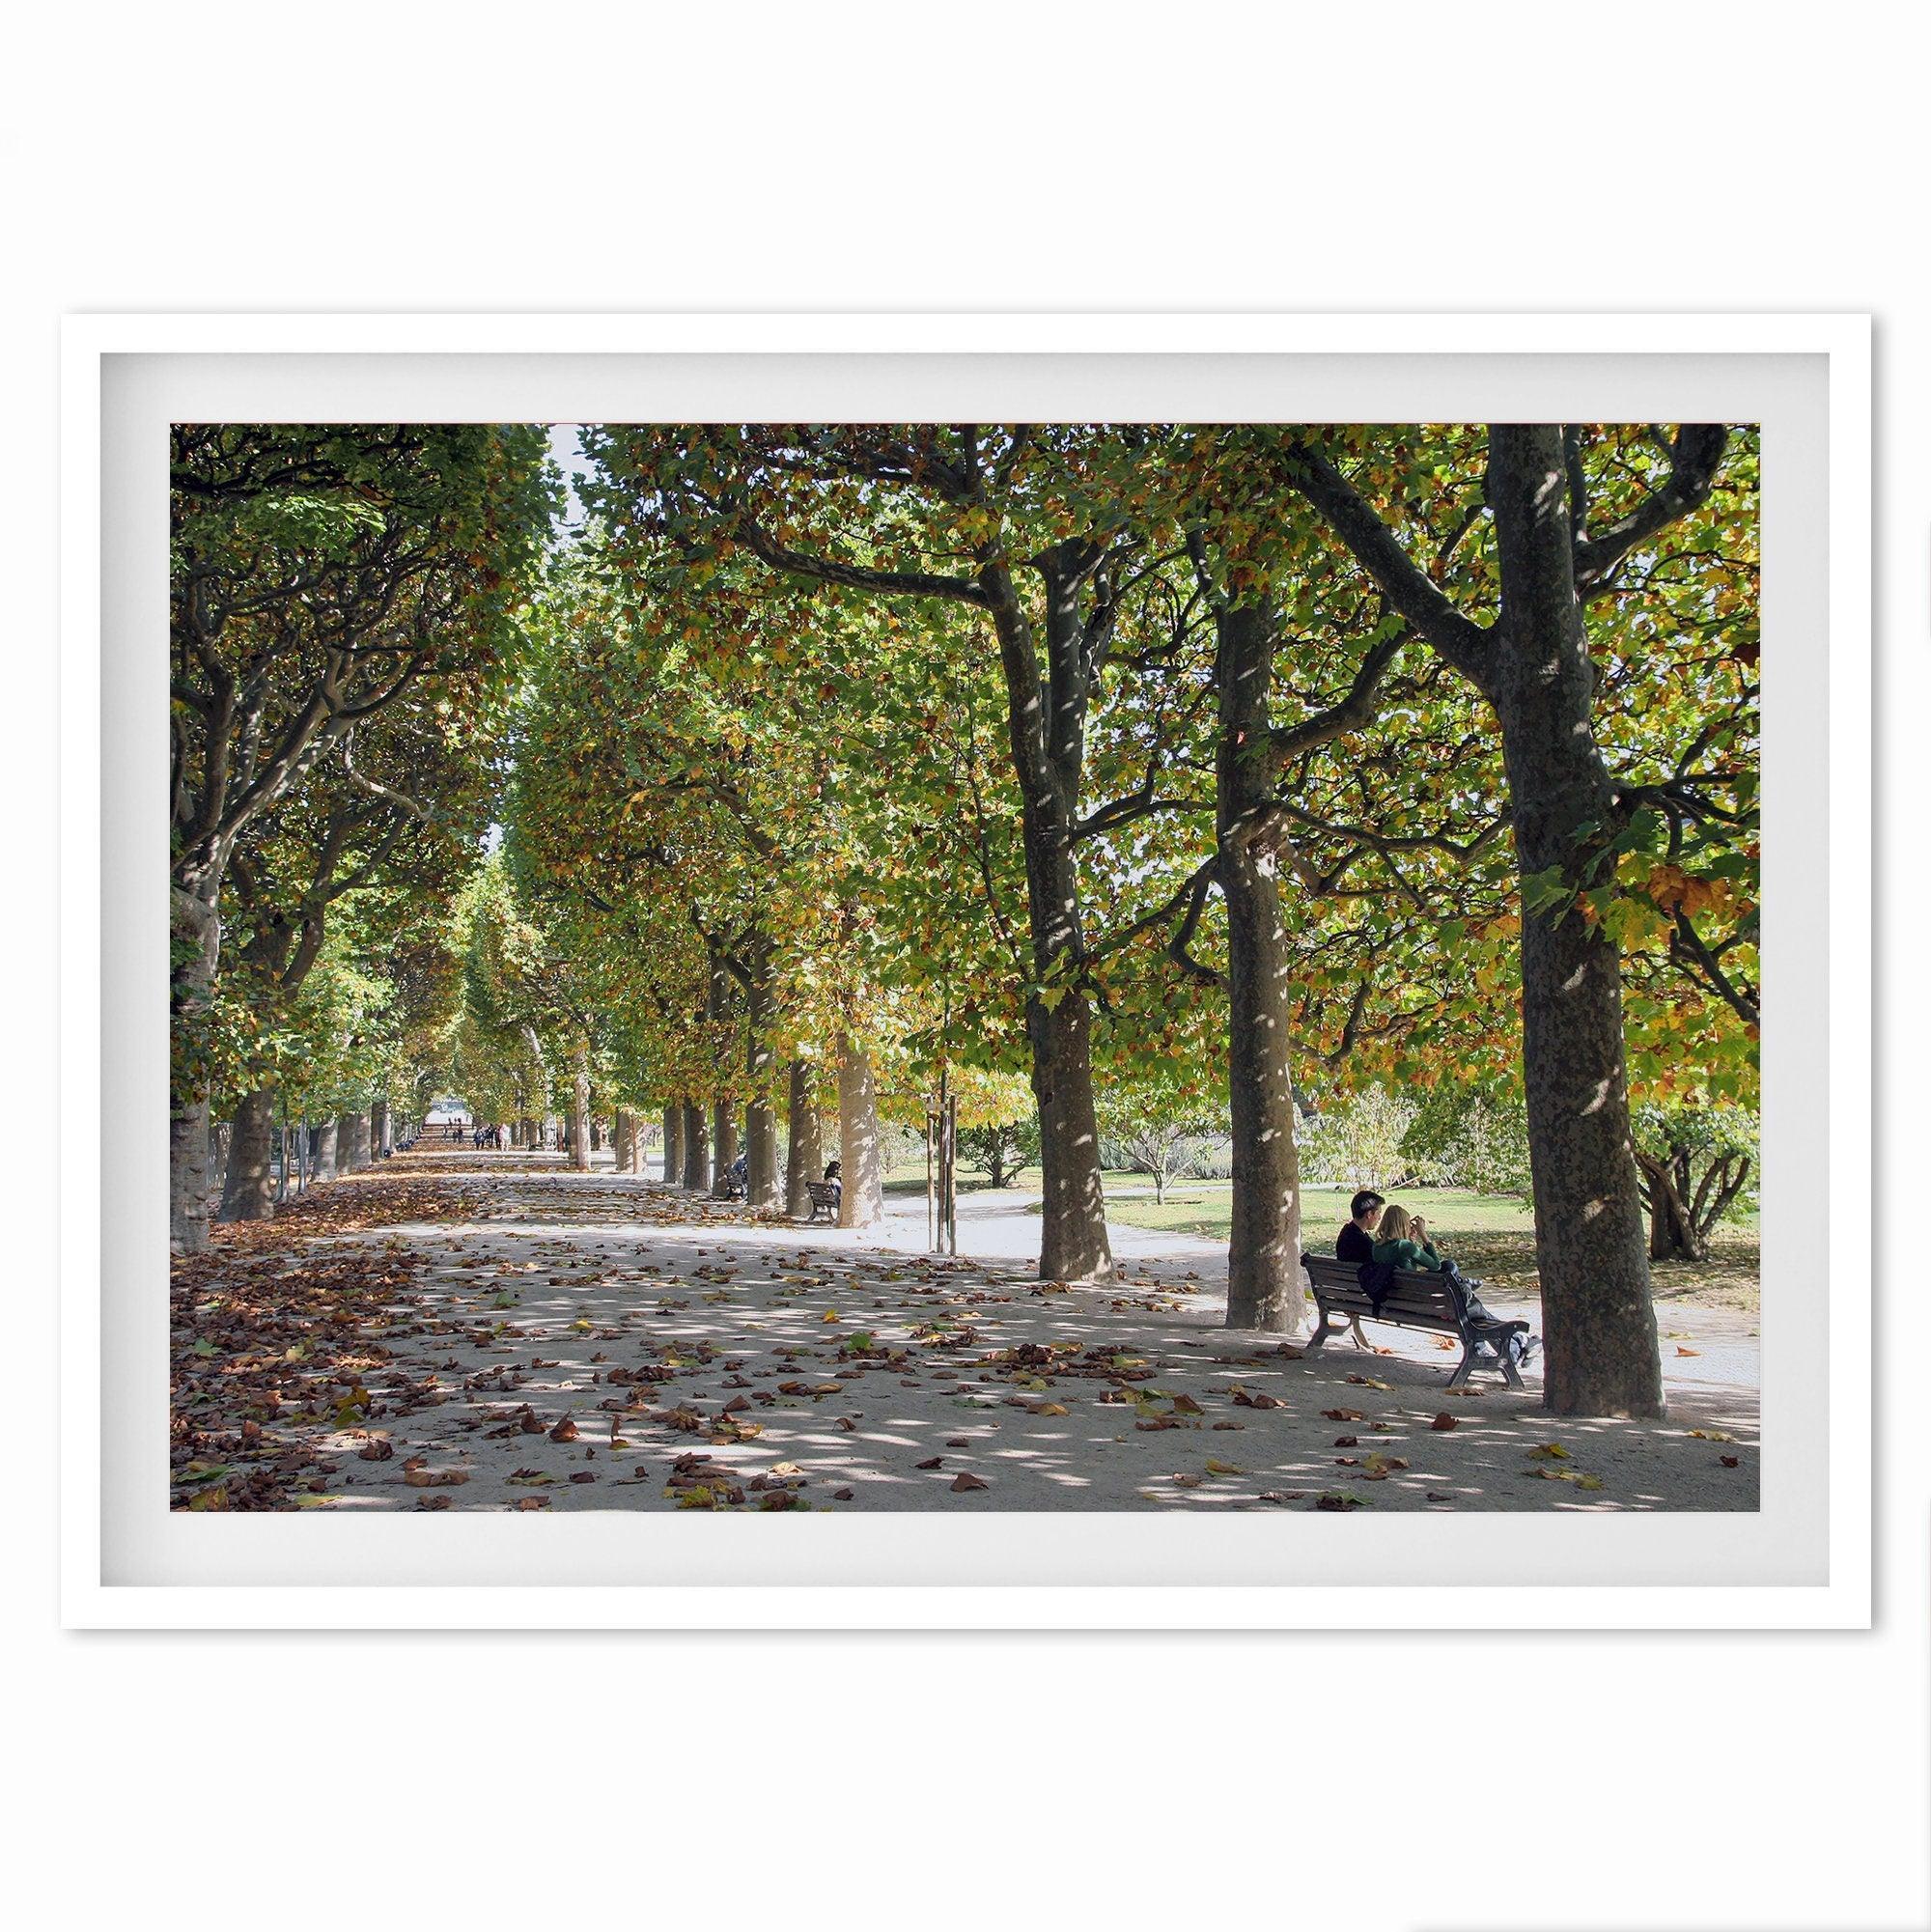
(1583, 546)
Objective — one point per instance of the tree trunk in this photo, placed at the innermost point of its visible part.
(195, 930)
(802, 1148)
(861, 1197)
(1599, 1322)
(760, 1120)
(580, 1108)
(249, 1191)
(1673, 1231)
(1046, 723)
(378, 1121)
(347, 1153)
(1264, 1249)
(1072, 1222)
(624, 1140)
(723, 1145)
(696, 1149)
(325, 1151)
(673, 1144)
(531, 1136)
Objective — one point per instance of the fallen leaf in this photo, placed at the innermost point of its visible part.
(1551, 1451)
(1342, 1415)
(1445, 1421)
(963, 1481)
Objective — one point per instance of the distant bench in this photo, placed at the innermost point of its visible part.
(825, 1197)
(1414, 1301)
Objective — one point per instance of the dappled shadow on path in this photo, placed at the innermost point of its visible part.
(528, 1337)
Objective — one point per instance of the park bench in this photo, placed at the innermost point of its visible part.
(1414, 1301)
(824, 1194)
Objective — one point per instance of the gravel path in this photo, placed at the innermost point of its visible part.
(537, 1339)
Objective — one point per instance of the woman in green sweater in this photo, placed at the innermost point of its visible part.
(1402, 1241)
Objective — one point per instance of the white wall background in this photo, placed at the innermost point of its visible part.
(1002, 156)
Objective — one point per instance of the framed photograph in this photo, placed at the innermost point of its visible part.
(1078, 971)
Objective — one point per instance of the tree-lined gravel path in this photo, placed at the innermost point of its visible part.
(488, 1332)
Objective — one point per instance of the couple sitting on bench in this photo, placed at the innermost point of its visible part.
(1384, 1241)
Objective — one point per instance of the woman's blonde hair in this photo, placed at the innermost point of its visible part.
(1394, 1224)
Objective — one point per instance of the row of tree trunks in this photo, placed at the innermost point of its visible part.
(340, 1146)
(673, 1144)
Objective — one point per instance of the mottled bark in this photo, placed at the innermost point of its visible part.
(624, 1140)
(802, 1154)
(1047, 722)
(382, 1145)
(696, 1149)
(1599, 1322)
(248, 1193)
(723, 1145)
(862, 1195)
(673, 1144)
(1264, 1249)
(325, 1151)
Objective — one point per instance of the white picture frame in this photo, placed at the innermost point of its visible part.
(127, 1563)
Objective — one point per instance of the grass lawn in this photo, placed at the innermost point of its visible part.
(1492, 1236)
